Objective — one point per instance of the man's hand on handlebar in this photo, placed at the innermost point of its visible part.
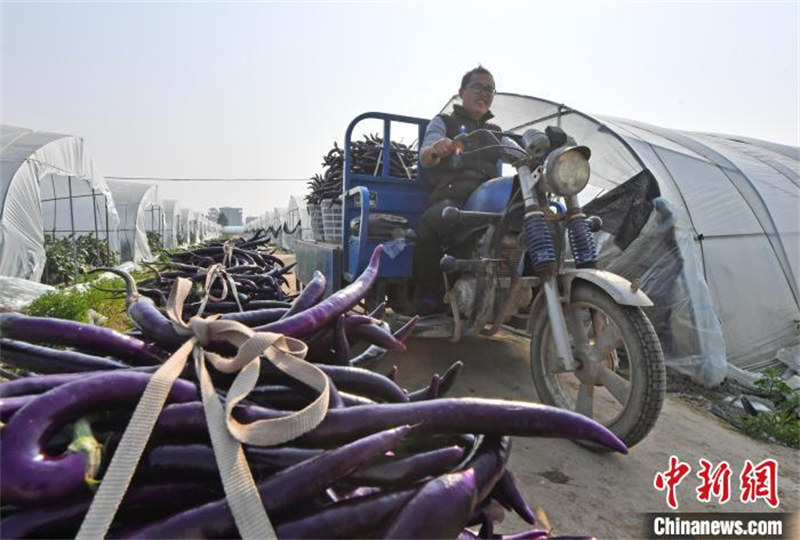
(434, 154)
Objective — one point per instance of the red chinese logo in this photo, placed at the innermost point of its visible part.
(760, 482)
(670, 479)
(755, 481)
(716, 482)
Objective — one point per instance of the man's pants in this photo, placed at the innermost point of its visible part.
(432, 232)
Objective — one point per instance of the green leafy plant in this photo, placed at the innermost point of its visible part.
(62, 304)
(59, 266)
(65, 260)
(154, 241)
(94, 252)
(783, 424)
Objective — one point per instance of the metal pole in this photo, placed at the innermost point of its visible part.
(74, 240)
(94, 211)
(55, 205)
(108, 237)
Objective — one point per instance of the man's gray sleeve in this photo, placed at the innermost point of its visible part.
(436, 130)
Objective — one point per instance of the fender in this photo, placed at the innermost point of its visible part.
(617, 287)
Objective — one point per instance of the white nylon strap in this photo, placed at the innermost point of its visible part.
(287, 354)
(213, 273)
(227, 250)
(120, 472)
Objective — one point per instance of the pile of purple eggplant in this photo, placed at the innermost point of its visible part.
(384, 462)
(367, 158)
(259, 275)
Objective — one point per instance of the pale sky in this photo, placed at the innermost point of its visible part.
(250, 89)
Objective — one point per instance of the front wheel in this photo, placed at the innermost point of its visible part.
(620, 380)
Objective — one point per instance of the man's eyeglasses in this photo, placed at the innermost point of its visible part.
(479, 88)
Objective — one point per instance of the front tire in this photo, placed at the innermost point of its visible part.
(621, 379)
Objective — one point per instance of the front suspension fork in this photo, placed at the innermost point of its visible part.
(541, 250)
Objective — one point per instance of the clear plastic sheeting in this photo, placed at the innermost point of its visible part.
(729, 213)
(612, 160)
(194, 227)
(172, 219)
(133, 199)
(302, 217)
(49, 183)
(662, 257)
(17, 293)
(297, 224)
(183, 227)
(742, 201)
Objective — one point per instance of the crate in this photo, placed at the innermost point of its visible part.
(332, 222)
(317, 228)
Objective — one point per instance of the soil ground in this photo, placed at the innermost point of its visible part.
(582, 492)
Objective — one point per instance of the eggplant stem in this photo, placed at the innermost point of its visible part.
(84, 444)
(130, 283)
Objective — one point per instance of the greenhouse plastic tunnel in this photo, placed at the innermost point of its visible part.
(134, 200)
(708, 223)
(50, 185)
(171, 224)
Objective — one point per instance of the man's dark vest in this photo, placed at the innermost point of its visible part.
(457, 176)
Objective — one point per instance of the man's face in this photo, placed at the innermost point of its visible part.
(477, 96)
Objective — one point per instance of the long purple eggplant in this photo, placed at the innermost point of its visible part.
(439, 385)
(447, 415)
(364, 382)
(342, 345)
(146, 316)
(37, 384)
(377, 334)
(351, 518)
(46, 360)
(28, 476)
(533, 534)
(85, 337)
(141, 503)
(197, 461)
(441, 509)
(465, 415)
(280, 492)
(310, 295)
(373, 353)
(489, 462)
(42, 383)
(410, 469)
(351, 400)
(449, 377)
(507, 491)
(324, 313)
(378, 312)
(10, 406)
(255, 317)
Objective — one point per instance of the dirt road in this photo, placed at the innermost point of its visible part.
(582, 492)
(586, 493)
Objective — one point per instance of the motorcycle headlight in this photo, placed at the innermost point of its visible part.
(566, 170)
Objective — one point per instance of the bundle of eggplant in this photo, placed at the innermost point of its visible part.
(383, 462)
(255, 276)
(367, 156)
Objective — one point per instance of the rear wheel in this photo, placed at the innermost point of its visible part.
(620, 380)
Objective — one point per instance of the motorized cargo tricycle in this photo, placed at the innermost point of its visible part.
(523, 259)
